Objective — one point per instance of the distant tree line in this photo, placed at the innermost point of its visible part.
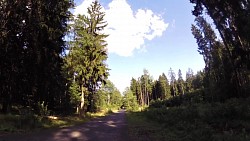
(164, 88)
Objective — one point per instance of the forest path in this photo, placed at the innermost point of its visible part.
(109, 128)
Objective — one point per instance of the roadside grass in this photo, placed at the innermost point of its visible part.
(140, 128)
(29, 123)
(228, 121)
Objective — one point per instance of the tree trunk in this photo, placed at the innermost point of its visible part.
(145, 95)
(6, 107)
(6, 104)
(147, 98)
(81, 108)
(142, 103)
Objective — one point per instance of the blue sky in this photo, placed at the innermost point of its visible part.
(148, 34)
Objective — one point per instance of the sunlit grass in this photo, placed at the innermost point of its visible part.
(63, 121)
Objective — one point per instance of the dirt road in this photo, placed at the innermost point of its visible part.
(109, 128)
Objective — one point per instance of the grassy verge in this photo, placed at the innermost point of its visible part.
(140, 128)
(28, 123)
(228, 121)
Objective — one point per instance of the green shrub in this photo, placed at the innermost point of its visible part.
(228, 120)
(13, 123)
(197, 96)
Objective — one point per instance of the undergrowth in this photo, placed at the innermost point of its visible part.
(27, 123)
(227, 121)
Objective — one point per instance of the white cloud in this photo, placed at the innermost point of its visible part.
(82, 8)
(128, 29)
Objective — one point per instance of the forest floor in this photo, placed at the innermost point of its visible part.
(109, 128)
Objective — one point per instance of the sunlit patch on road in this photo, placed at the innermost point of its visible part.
(75, 134)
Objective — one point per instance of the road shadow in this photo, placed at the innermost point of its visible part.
(109, 128)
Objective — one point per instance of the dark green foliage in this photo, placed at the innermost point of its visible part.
(217, 80)
(197, 96)
(11, 53)
(229, 57)
(31, 44)
(189, 81)
(161, 88)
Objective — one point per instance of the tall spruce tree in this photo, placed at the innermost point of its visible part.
(146, 87)
(189, 80)
(88, 53)
(134, 88)
(161, 88)
(180, 83)
(173, 83)
(45, 29)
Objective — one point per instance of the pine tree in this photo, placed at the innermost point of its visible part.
(142, 88)
(146, 87)
(133, 85)
(189, 80)
(180, 83)
(167, 90)
(162, 88)
(173, 83)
